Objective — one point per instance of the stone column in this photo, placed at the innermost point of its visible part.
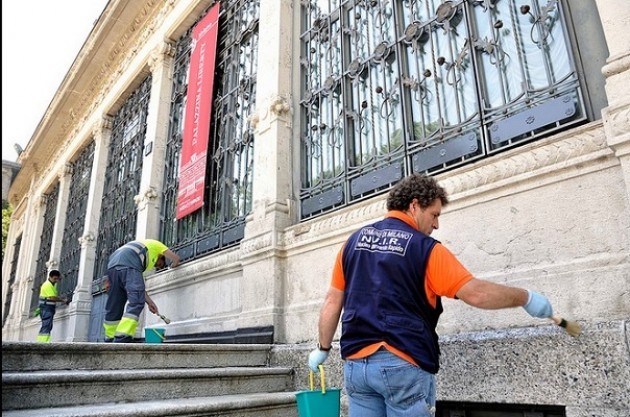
(27, 262)
(148, 201)
(9, 255)
(262, 287)
(615, 16)
(82, 299)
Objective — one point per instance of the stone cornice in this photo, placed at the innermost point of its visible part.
(205, 268)
(119, 34)
(560, 149)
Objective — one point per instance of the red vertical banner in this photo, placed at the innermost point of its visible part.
(192, 167)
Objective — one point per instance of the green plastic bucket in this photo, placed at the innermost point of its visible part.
(154, 335)
(318, 403)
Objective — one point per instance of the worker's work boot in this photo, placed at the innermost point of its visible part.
(123, 339)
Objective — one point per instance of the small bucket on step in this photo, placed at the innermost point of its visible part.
(154, 335)
(318, 403)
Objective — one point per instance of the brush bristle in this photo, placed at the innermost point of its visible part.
(573, 328)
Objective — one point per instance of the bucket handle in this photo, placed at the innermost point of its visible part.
(158, 334)
(311, 378)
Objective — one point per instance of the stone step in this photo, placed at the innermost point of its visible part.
(25, 356)
(36, 389)
(281, 404)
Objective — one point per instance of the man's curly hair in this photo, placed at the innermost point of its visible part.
(419, 186)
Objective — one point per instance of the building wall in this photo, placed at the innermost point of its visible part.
(9, 169)
(552, 215)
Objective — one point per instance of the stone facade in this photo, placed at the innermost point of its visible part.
(552, 215)
(9, 170)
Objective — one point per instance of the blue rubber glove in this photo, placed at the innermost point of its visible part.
(316, 358)
(538, 305)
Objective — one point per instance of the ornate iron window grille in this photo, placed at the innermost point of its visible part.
(41, 270)
(75, 219)
(118, 220)
(394, 87)
(220, 223)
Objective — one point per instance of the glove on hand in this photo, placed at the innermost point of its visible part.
(538, 305)
(316, 358)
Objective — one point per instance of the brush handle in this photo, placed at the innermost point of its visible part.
(165, 319)
(559, 321)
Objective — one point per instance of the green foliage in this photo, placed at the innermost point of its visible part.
(420, 131)
(6, 219)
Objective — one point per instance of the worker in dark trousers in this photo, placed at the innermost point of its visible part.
(126, 286)
(48, 299)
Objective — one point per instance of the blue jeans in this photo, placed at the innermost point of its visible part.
(47, 314)
(385, 385)
(126, 287)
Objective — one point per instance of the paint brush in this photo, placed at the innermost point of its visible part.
(163, 317)
(572, 327)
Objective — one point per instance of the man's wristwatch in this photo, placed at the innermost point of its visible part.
(323, 349)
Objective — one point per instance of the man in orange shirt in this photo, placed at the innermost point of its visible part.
(388, 279)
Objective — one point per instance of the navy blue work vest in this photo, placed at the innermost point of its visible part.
(384, 299)
(132, 255)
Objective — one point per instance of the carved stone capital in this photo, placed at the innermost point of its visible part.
(280, 106)
(275, 108)
(254, 119)
(145, 197)
(86, 240)
(160, 54)
(105, 123)
(67, 169)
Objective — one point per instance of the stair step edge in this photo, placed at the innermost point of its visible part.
(171, 407)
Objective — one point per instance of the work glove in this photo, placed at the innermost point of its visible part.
(538, 305)
(316, 358)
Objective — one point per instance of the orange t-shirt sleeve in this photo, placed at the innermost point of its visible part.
(445, 275)
(338, 279)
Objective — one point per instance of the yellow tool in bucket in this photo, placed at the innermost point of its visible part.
(324, 403)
